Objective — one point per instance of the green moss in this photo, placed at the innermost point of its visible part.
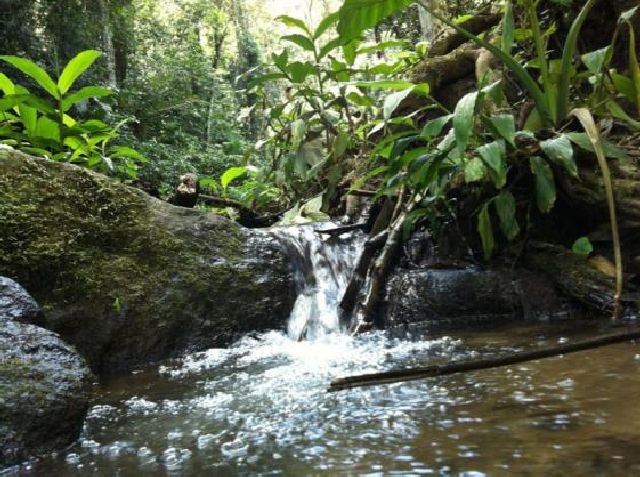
(125, 277)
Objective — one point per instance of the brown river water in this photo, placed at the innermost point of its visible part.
(261, 408)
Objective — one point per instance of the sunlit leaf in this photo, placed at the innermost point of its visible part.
(78, 65)
(32, 70)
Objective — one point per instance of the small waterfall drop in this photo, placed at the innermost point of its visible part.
(323, 265)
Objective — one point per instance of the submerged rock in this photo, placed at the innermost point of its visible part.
(44, 383)
(127, 278)
(458, 298)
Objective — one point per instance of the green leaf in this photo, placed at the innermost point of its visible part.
(281, 60)
(383, 45)
(359, 15)
(6, 85)
(623, 84)
(582, 246)
(545, 184)
(393, 100)
(47, 129)
(434, 127)
(299, 71)
(350, 50)
(300, 40)
(506, 208)
(294, 23)
(508, 28)
(505, 124)
(360, 100)
(29, 118)
(463, 118)
(485, 229)
(474, 170)
(560, 151)
(326, 23)
(75, 68)
(494, 155)
(84, 94)
(122, 151)
(32, 70)
(566, 70)
(298, 133)
(610, 150)
(594, 60)
(231, 174)
(329, 47)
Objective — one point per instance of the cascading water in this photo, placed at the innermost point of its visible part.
(323, 265)
(260, 407)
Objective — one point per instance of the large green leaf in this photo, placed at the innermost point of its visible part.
(231, 174)
(508, 28)
(32, 70)
(506, 208)
(485, 229)
(84, 94)
(566, 70)
(393, 100)
(75, 68)
(434, 127)
(463, 118)
(300, 40)
(545, 184)
(359, 15)
(505, 125)
(48, 129)
(474, 170)
(560, 151)
(6, 85)
(494, 155)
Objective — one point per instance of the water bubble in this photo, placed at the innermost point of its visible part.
(72, 459)
(235, 448)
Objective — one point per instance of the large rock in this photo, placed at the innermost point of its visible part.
(16, 304)
(127, 278)
(463, 297)
(44, 383)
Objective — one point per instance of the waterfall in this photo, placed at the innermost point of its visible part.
(322, 266)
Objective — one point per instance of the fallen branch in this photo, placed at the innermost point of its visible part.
(413, 374)
(220, 202)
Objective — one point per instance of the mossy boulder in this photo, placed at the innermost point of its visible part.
(127, 278)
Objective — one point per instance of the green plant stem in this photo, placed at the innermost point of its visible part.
(586, 119)
(541, 50)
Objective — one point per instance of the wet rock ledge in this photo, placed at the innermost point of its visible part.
(44, 383)
(126, 278)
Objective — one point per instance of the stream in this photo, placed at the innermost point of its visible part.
(261, 407)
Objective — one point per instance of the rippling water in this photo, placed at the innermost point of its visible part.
(261, 408)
